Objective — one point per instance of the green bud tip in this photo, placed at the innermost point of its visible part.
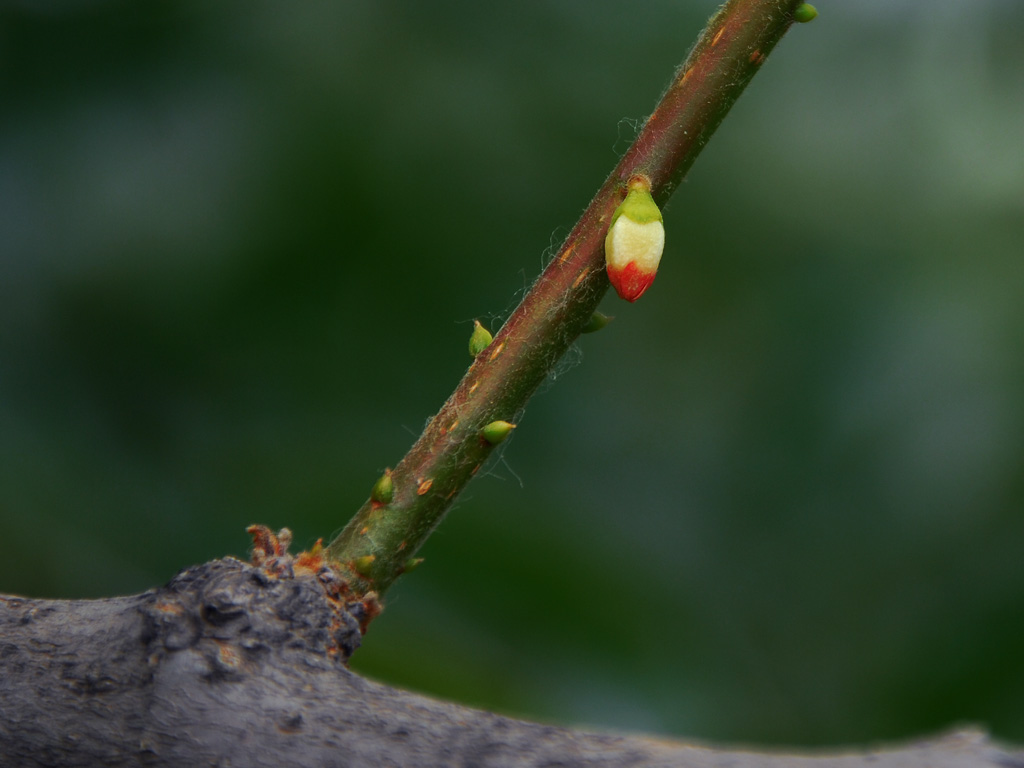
(479, 340)
(363, 564)
(412, 564)
(384, 489)
(805, 12)
(596, 322)
(496, 431)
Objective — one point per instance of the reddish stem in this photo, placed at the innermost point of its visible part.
(375, 546)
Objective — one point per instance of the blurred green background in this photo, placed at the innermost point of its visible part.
(778, 500)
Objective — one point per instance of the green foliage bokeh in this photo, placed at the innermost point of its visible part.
(779, 500)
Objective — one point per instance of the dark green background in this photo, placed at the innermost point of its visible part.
(779, 500)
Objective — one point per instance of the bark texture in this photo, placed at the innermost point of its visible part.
(243, 665)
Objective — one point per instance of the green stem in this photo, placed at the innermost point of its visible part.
(376, 545)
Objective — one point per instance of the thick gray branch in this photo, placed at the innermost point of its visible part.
(232, 664)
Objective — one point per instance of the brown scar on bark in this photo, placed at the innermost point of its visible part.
(566, 253)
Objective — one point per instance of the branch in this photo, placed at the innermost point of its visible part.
(375, 547)
(241, 664)
(233, 664)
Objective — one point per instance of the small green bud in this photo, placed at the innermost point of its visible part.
(384, 489)
(412, 564)
(805, 12)
(496, 431)
(363, 564)
(596, 322)
(479, 340)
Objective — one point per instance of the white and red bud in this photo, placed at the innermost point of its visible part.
(635, 241)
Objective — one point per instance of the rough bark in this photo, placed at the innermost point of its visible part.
(243, 665)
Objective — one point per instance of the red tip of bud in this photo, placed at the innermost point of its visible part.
(630, 282)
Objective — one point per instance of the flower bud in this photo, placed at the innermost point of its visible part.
(634, 243)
